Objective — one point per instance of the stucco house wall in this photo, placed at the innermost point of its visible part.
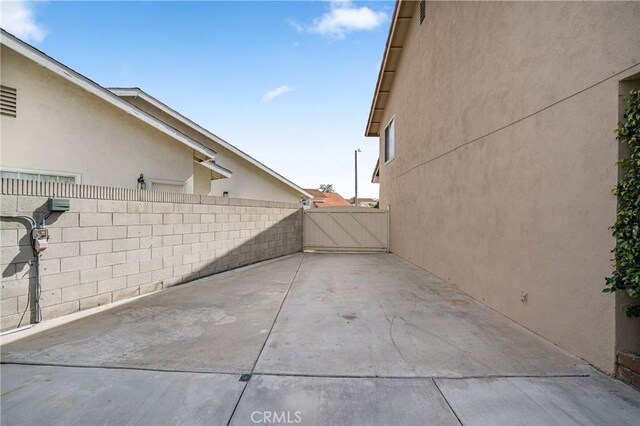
(247, 180)
(505, 158)
(60, 127)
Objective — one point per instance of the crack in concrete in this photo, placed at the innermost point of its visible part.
(393, 341)
(395, 345)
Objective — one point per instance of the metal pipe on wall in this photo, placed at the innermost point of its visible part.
(37, 290)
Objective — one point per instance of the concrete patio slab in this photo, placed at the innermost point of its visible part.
(340, 401)
(39, 395)
(217, 324)
(357, 339)
(377, 315)
(594, 400)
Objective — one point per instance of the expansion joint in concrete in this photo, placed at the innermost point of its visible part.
(389, 377)
(247, 377)
(116, 367)
(447, 402)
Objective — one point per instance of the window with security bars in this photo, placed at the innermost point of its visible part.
(423, 10)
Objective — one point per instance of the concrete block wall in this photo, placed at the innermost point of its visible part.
(105, 250)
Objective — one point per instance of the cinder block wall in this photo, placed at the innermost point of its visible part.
(115, 244)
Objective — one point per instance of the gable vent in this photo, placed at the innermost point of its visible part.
(8, 101)
(423, 10)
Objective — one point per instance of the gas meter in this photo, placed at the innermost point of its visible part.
(40, 238)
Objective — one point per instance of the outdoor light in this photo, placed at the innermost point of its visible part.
(141, 183)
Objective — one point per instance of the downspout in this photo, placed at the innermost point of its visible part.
(37, 262)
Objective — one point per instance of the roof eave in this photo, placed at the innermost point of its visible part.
(211, 165)
(135, 92)
(44, 60)
(375, 177)
(400, 21)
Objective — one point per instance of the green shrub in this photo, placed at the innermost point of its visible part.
(626, 229)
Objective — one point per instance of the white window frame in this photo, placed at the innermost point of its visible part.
(391, 121)
(151, 181)
(77, 176)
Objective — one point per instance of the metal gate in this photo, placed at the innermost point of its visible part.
(346, 229)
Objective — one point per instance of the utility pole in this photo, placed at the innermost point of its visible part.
(355, 198)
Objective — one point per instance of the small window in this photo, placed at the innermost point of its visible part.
(8, 101)
(423, 10)
(390, 140)
(38, 176)
(165, 185)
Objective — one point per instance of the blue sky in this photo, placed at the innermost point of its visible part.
(290, 83)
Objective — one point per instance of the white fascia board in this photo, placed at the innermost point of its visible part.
(94, 88)
(135, 92)
(209, 164)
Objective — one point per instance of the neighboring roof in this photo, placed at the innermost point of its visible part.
(42, 59)
(139, 93)
(333, 199)
(315, 193)
(402, 14)
(327, 199)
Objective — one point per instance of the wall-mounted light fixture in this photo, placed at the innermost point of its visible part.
(141, 182)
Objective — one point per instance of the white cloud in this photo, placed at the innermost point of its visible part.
(272, 94)
(296, 25)
(345, 17)
(18, 18)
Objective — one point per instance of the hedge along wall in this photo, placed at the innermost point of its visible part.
(118, 243)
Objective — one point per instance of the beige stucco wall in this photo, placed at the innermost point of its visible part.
(248, 181)
(505, 158)
(62, 128)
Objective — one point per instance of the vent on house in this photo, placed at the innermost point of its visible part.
(8, 101)
(423, 10)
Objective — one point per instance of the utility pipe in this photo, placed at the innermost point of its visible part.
(37, 261)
